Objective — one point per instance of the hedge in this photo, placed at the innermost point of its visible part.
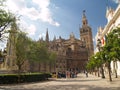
(22, 78)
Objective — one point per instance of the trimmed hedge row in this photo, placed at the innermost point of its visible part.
(22, 78)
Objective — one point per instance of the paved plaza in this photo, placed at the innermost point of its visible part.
(79, 83)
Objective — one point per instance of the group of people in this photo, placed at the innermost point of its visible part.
(67, 74)
(71, 74)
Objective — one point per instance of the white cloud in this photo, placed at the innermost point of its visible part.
(45, 13)
(29, 29)
(16, 5)
(32, 13)
(42, 3)
(116, 1)
(42, 13)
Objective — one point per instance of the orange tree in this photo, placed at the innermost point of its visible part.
(112, 49)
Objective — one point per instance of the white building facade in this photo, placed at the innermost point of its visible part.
(113, 21)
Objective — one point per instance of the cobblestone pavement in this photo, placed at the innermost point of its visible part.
(79, 83)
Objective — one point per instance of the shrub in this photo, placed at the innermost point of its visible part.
(21, 78)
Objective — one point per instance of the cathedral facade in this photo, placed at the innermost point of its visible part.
(72, 53)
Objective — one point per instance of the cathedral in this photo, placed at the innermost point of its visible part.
(72, 53)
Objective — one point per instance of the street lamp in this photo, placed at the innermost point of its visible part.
(99, 49)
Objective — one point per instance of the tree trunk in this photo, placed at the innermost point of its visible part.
(92, 72)
(115, 68)
(19, 72)
(39, 67)
(102, 72)
(109, 71)
(50, 66)
(98, 72)
(19, 69)
(95, 73)
(45, 66)
(116, 74)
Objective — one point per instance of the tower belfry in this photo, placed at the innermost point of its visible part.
(86, 34)
(84, 19)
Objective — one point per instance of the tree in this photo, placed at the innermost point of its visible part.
(52, 59)
(108, 58)
(6, 18)
(113, 47)
(91, 63)
(96, 61)
(110, 52)
(116, 43)
(38, 53)
(19, 42)
(99, 62)
(21, 47)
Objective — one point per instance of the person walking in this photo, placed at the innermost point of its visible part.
(86, 73)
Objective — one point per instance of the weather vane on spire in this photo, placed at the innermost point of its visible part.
(83, 12)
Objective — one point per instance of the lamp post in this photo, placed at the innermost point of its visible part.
(99, 49)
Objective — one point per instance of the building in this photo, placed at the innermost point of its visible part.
(113, 21)
(72, 53)
(86, 35)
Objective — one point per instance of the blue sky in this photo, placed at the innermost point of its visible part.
(61, 17)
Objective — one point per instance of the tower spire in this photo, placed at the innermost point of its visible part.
(84, 16)
(84, 19)
(47, 36)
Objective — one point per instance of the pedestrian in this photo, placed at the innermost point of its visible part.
(86, 73)
(66, 74)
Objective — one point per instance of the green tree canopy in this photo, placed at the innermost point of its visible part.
(6, 18)
(38, 52)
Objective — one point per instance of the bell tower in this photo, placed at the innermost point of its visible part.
(86, 35)
(84, 19)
